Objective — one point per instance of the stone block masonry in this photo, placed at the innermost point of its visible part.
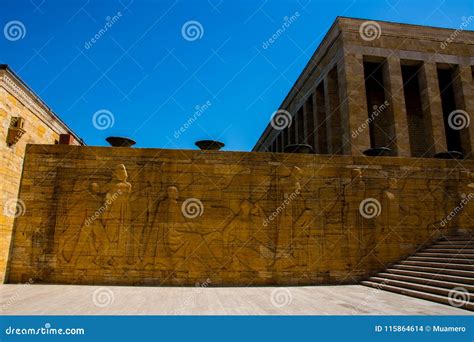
(124, 216)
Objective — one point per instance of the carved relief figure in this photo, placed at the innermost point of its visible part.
(246, 239)
(291, 205)
(164, 237)
(105, 230)
(390, 220)
(172, 242)
(90, 237)
(354, 193)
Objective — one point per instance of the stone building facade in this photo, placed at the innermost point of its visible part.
(24, 119)
(380, 84)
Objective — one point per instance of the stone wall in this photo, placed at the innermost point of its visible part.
(40, 126)
(102, 215)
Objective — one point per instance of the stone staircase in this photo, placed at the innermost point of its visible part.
(442, 272)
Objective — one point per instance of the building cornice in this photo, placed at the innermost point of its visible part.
(13, 85)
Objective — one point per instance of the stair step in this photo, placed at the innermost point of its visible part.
(426, 281)
(446, 255)
(419, 287)
(436, 270)
(417, 294)
(450, 278)
(449, 250)
(452, 245)
(457, 238)
(449, 265)
(444, 259)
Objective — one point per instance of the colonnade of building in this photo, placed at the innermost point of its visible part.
(416, 108)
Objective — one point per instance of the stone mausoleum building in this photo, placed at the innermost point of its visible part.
(380, 84)
(383, 200)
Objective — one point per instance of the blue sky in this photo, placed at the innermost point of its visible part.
(151, 78)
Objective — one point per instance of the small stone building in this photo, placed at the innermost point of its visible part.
(25, 119)
(374, 84)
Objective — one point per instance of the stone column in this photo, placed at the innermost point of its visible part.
(293, 130)
(463, 87)
(353, 104)
(333, 116)
(308, 115)
(394, 94)
(432, 109)
(301, 136)
(316, 124)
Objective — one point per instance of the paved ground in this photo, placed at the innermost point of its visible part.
(118, 300)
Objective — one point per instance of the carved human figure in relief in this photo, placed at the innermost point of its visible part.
(171, 241)
(116, 216)
(246, 240)
(291, 206)
(90, 237)
(164, 239)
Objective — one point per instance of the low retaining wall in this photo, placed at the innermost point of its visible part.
(125, 216)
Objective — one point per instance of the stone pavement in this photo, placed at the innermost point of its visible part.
(120, 300)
